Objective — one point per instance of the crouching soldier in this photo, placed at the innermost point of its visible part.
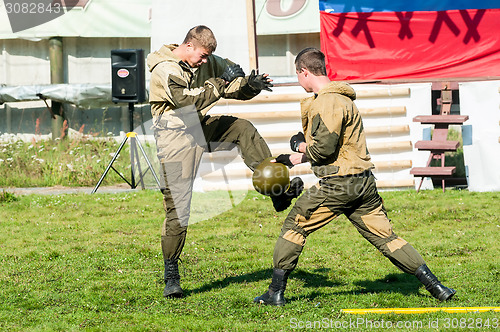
(334, 143)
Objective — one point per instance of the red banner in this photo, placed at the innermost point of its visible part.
(412, 45)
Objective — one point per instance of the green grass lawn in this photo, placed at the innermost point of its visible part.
(93, 262)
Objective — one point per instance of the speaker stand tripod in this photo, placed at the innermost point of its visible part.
(134, 156)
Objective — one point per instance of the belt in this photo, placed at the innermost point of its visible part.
(366, 173)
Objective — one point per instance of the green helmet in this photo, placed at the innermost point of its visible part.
(271, 179)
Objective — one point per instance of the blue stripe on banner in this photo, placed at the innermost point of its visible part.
(346, 6)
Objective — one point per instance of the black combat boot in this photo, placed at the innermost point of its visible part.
(172, 279)
(276, 293)
(433, 285)
(283, 201)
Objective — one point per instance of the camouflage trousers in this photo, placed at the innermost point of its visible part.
(357, 198)
(180, 152)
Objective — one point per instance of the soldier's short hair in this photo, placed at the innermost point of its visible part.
(312, 59)
(202, 36)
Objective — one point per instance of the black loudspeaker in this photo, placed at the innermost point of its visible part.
(128, 82)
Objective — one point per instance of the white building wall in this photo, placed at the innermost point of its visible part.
(24, 62)
(86, 60)
(89, 59)
(481, 102)
(276, 53)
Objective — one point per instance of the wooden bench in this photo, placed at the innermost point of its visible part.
(437, 146)
(433, 171)
(450, 119)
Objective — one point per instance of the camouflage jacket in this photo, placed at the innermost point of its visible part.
(180, 95)
(336, 143)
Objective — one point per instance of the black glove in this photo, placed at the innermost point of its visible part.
(285, 160)
(231, 72)
(259, 82)
(295, 141)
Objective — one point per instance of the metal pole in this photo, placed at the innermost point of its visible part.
(132, 145)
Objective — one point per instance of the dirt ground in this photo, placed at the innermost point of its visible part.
(58, 190)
